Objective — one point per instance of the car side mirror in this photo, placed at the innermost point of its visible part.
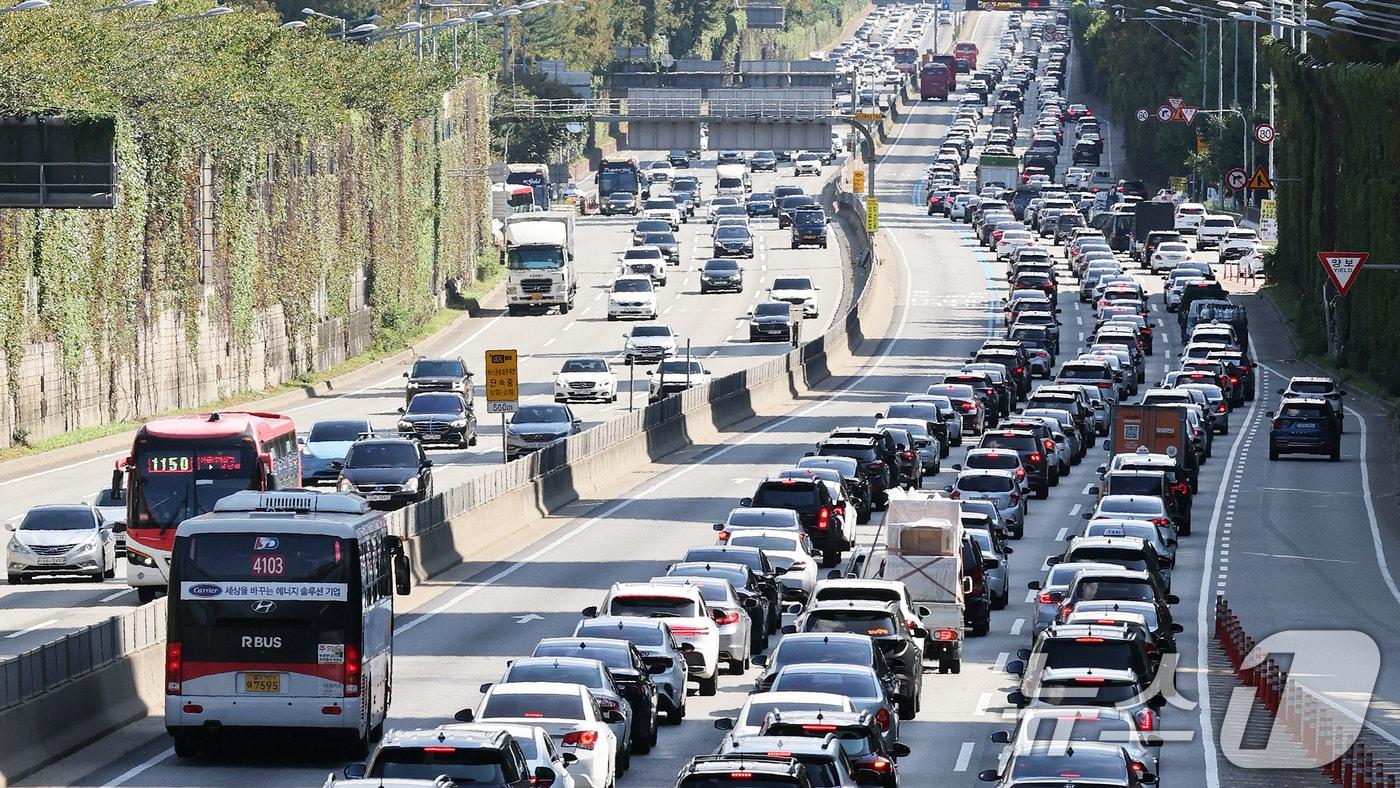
(1173, 599)
(118, 528)
(568, 758)
(543, 776)
(405, 374)
(724, 724)
(1087, 515)
(398, 410)
(789, 629)
(1017, 699)
(613, 716)
(1101, 470)
(465, 715)
(1000, 737)
(746, 502)
(988, 775)
(356, 771)
(1016, 667)
(589, 612)
(1177, 628)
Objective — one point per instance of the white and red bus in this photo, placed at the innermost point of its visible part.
(180, 466)
(281, 616)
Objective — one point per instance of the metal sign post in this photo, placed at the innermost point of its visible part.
(631, 384)
(502, 387)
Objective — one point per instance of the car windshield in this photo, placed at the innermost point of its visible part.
(986, 483)
(680, 368)
(756, 518)
(716, 266)
(874, 623)
(632, 286)
(540, 414)
(462, 765)
(659, 238)
(786, 494)
(335, 432)
(556, 673)
(67, 518)
(436, 403)
(764, 542)
(584, 365)
(382, 455)
(1138, 506)
(771, 310)
(809, 217)
(438, 369)
(651, 331)
(728, 231)
(548, 705)
(652, 606)
(1132, 590)
(852, 685)
(792, 283)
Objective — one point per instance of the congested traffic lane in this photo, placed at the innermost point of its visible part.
(714, 323)
(461, 627)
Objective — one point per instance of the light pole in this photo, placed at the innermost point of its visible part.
(318, 14)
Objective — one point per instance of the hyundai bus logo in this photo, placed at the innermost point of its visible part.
(265, 606)
(205, 590)
(265, 543)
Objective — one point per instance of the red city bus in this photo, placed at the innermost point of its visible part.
(180, 466)
(949, 63)
(906, 59)
(966, 54)
(933, 82)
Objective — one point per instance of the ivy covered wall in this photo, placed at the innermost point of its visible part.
(285, 202)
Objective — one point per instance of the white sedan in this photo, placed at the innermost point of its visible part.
(759, 704)
(661, 171)
(791, 551)
(586, 378)
(1166, 256)
(796, 290)
(632, 295)
(576, 724)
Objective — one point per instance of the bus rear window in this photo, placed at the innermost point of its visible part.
(249, 559)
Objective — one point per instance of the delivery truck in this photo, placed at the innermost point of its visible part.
(539, 257)
(923, 550)
(1158, 429)
(1004, 171)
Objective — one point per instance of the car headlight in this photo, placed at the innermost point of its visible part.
(344, 485)
(16, 546)
(459, 424)
(411, 485)
(405, 425)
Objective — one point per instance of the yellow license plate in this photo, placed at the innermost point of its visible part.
(537, 297)
(262, 682)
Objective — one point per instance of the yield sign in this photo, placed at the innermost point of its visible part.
(1260, 179)
(1175, 102)
(1342, 267)
(1188, 114)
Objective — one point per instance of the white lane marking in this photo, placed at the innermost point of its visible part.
(669, 478)
(116, 594)
(999, 666)
(1074, 510)
(35, 628)
(1205, 604)
(1087, 488)
(964, 757)
(139, 768)
(1031, 595)
(1060, 535)
(550, 341)
(1295, 557)
(1016, 626)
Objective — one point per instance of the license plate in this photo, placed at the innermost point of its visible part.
(377, 497)
(537, 296)
(262, 682)
(1306, 427)
(432, 436)
(56, 561)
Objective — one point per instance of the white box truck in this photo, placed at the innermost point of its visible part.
(539, 253)
(732, 180)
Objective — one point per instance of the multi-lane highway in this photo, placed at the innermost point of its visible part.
(1255, 520)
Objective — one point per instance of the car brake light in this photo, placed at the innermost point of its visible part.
(728, 617)
(906, 455)
(1103, 384)
(1146, 720)
(1049, 444)
(741, 775)
(1161, 521)
(880, 765)
(1036, 457)
(352, 670)
(968, 406)
(1234, 379)
(823, 517)
(1181, 488)
(1088, 640)
(174, 660)
(1018, 370)
(819, 728)
(1088, 680)
(1045, 598)
(438, 749)
(945, 635)
(582, 739)
(883, 717)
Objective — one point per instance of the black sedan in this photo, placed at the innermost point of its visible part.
(439, 417)
(387, 472)
(721, 274)
(771, 321)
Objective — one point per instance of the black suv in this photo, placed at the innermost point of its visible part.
(439, 417)
(858, 732)
(884, 442)
(870, 463)
(882, 623)
(387, 472)
(816, 510)
(1157, 482)
(438, 374)
(757, 562)
(1034, 456)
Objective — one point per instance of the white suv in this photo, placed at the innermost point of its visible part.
(632, 295)
(1189, 216)
(663, 208)
(686, 614)
(1237, 243)
(1213, 229)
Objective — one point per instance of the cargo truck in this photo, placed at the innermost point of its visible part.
(1149, 216)
(533, 175)
(1004, 171)
(1158, 429)
(539, 261)
(924, 550)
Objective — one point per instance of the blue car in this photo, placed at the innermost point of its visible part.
(323, 449)
(1305, 425)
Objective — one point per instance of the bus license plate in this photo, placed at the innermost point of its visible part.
(262, 682)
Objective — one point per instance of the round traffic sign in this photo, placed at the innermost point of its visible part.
(1164, 114)
(1264, 133)
(1236, 178)
(1143, 115)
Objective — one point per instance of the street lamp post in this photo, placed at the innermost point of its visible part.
(336, 19)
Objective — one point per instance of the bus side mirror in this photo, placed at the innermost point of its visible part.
(117, 477)
(403, 578)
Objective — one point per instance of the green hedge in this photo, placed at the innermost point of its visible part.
(1336, 156)
(324, 158)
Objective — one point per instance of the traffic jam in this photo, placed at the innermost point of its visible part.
(850, 583)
